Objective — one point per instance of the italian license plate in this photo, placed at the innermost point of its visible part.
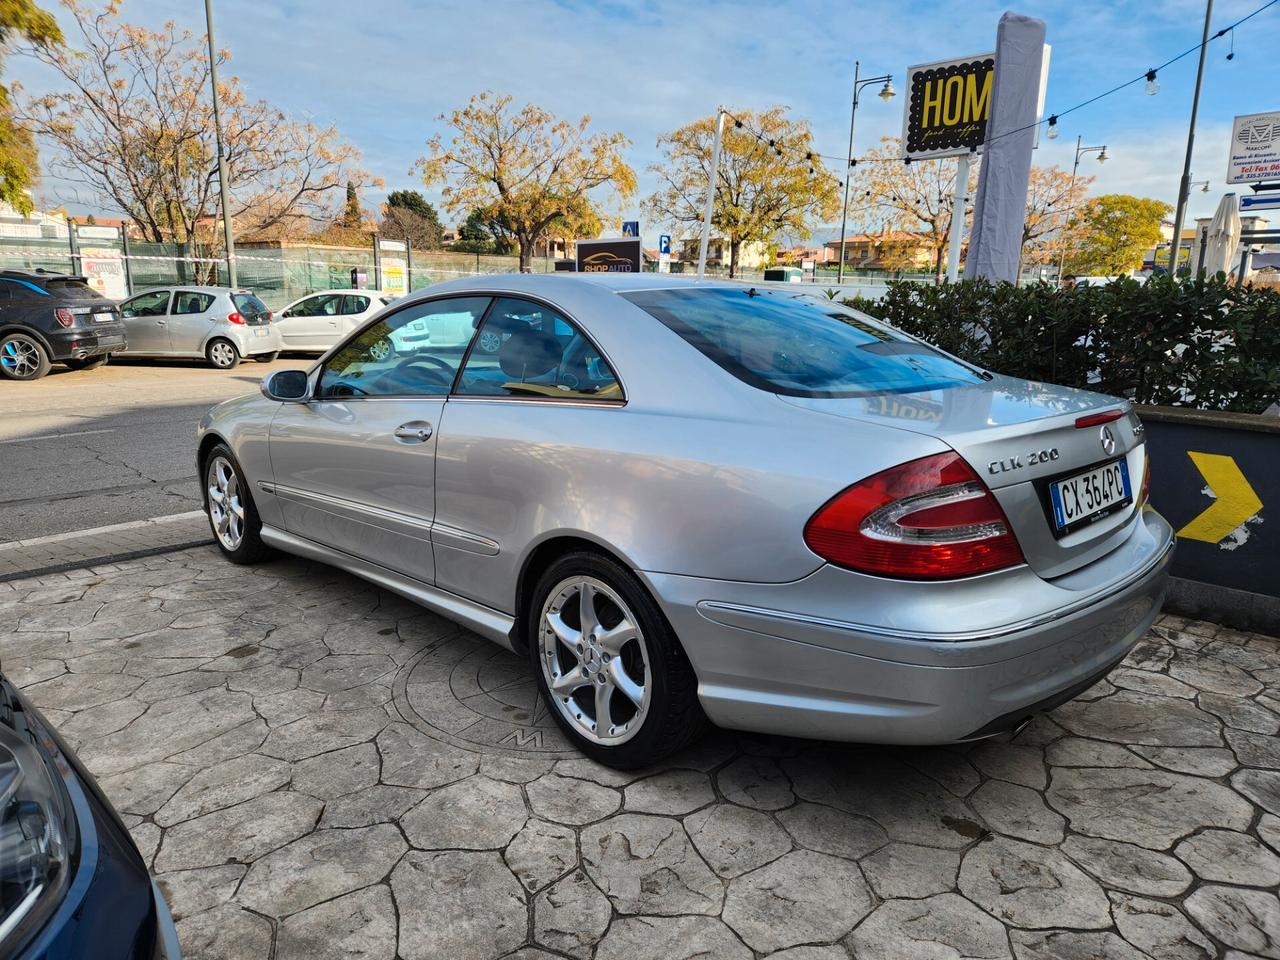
(260, 332)
(104, 317)
(1089, 496)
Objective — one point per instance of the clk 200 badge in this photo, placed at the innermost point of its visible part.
(1017, 463)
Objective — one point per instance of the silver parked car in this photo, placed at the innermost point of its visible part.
(217, 323)
(689, 500)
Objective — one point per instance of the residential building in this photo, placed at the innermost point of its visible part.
(753, 255)
(891, 250)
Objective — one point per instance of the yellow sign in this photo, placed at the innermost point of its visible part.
(1234, 503)
(948, 106)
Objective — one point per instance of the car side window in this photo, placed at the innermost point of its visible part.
(153, 304)
(185, 301)
(353, 305)
(414, 352)
(525, 349)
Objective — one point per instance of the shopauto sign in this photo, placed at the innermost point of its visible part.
(1255, 148)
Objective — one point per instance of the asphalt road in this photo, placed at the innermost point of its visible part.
(97, 447)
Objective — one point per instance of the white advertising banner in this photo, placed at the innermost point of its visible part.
(104, 269)
(1255, 148)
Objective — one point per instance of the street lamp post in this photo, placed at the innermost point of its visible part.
(217, 138)
(1184, 185)
(1075, 167)
(886, 94)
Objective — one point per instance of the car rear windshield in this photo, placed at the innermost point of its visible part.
(795, 345)
(249, 305)
(72, 288)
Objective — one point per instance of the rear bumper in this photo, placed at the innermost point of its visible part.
(767, 669)
(78, 344)
(250, 343)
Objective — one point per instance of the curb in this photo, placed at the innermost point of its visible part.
(100, 561)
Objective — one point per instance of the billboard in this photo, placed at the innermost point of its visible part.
(610, 256)
(947, 107)
(1255, 148)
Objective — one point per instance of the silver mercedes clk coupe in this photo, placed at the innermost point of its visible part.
(689, 501)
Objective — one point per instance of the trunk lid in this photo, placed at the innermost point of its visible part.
(1020, 438)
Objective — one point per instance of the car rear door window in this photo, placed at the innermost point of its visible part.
(414, 352)
(525, 349)
(352, 304)
(253, 309)
(794, 345)
(152, 304)
(186, 301)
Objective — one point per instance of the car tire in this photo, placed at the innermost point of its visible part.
(489, 342)
(228, 503)
(22, 357)
(382, 350)
(222, 354)
(88, 363)
(267, 357)
(651, 664)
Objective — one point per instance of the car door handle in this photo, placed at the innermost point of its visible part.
(415, 431)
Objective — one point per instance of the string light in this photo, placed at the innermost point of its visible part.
(1152, 87)
(1052, 132)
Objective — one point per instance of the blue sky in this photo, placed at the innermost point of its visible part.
(384, 70)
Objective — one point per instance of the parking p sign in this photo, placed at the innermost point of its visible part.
(664, 244)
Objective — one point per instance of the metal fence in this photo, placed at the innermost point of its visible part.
(282, 272)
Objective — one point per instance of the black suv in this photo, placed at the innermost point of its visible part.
(48, 317)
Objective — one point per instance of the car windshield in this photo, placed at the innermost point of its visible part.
(792, 344)
(249, 305)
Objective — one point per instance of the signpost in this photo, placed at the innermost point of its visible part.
(631, 228)
(1255, 148)
(610, 256)
(393, 267)
(664, 253)
(1258, 203)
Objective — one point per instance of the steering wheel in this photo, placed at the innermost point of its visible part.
(444, 373)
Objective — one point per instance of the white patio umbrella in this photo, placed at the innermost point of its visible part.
(1223, 237)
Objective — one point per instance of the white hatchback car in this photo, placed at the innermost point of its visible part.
(217, 323)
(316, 322)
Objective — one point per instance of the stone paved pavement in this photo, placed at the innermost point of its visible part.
(317, 769)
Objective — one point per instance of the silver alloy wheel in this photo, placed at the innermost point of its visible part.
(490, 342)
(594, 660)
(380, 350)
(222, 354)
(226, 508)
(20, 357)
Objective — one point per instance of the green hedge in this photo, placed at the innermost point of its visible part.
(1181, 342)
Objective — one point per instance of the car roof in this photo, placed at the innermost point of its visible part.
(565, 282)
(194, 288)
(335, 290)
(44, 275)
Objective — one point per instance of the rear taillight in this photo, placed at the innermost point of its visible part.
(929, 519)
(1098, 419)
(64, 316)
(235, 318)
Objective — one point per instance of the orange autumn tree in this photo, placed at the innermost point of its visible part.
(530, 174)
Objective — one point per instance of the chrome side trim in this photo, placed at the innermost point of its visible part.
(324, 500)
(756, 618)
(489, 623)
(448, 536)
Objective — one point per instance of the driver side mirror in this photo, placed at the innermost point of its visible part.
(286, 386)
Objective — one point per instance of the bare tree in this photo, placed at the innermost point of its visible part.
(136, 126)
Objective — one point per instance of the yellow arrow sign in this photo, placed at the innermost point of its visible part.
(1235, 500)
